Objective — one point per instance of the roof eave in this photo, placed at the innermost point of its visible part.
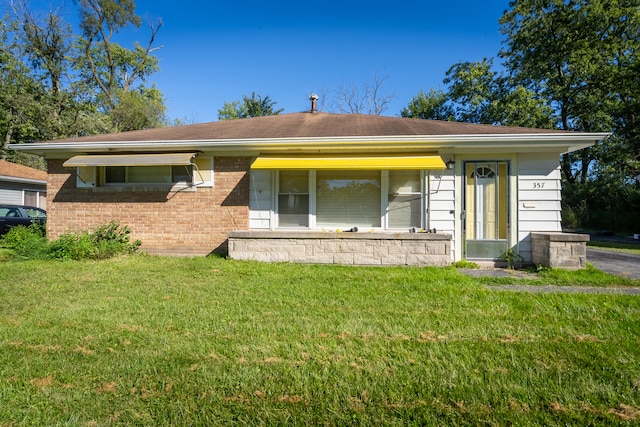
(20, 180)
(565, 141)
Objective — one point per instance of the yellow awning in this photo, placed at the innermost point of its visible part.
(170, 159)
(350, 163)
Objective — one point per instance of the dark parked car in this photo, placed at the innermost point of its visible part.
(12, 215)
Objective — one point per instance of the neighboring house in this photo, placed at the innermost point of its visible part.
(22, 185)
(283, 186)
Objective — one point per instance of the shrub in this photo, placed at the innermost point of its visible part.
(72, 245)
(106, 241)
(112, 239)
(25, 242)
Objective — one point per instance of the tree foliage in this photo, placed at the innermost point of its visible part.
(57, 84)
(570, 65)
(113, 69)
(478, 94)
(253, 106)
(580, 55)
(431, 106)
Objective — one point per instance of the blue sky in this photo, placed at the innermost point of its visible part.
(216, 51)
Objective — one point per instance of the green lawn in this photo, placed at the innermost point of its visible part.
(161, 341)
(630, 248)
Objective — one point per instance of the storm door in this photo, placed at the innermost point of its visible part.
(486, 209)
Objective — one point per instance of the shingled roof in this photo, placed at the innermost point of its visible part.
(14, 170)
(308, 125)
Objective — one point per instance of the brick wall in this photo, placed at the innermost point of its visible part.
(174, 223)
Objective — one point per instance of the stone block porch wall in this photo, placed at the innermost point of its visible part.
(417, 249)
(559, 250)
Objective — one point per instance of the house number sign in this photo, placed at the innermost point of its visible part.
(538, 185)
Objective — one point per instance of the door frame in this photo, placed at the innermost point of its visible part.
(512, 199)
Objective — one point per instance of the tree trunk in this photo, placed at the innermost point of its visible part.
(7, 141)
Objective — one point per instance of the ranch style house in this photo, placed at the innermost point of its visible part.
(322, 188)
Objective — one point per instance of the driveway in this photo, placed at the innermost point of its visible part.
(617, 263)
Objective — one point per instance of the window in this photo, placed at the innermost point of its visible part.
(348, 198)
(404, 209)
(164, 174)
(342, 199)
(35, 198)
(293, 199)
(35, 213)
(143, 172)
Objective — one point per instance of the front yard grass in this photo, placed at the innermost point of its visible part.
(145, 340)
(629, 248)
(589, 276)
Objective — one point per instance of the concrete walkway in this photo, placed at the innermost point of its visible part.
(618, 263)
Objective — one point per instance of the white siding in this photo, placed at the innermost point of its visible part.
(11, 196)
(13, 192)
(539, 195)
(260, 200)
(442, 204)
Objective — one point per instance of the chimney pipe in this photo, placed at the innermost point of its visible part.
(313, 98)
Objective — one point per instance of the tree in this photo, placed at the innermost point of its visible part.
(472, 88)
(142, 108)
(254, 106)
(478, 94)
(482, 95)
(117, 74)
(580, 56)
(113, 69)
(432, 106)
(56, 84)
(367, 99)
(19, 95)
(46, 45)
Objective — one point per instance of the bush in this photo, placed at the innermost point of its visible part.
(72, 245)
(111, 239)
(106, 241)
(25, 242)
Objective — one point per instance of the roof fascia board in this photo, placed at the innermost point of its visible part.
(569, 140)
(22, 180)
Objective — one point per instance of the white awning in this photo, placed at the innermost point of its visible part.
(172, 159)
